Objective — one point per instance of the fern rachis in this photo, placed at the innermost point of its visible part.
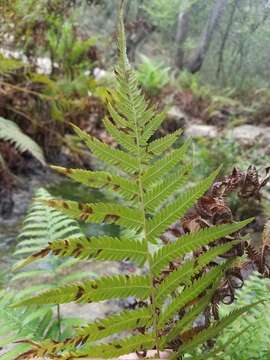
(147, 214)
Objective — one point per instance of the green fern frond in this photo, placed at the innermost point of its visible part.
(106, 351)
(158, 194)
(153, 124)
(159, 146)
(119, 347)
(125, 140)
(254, 325)
(189, 317)
(102, 180)
(190, 293)
(104, 152)
(19, 323)
(175, 210)
(222, 349)
(130, 218)
(118, 323)
(115, 287)
(212, 331)
(191, 242)
(41, 226)
(213, 253)
(104, 248)
(162, 167)
(153, 198)
(10, 132)
(118, 119)
(182, 276)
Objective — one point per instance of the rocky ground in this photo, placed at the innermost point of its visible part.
(246, 135)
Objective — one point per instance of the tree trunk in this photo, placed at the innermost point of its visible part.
(198, 57)
(225, 38)
(181, 36)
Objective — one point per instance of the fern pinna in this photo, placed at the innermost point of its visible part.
(152, 190)
(41, 225)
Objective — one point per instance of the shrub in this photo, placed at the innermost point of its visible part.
(151, 76)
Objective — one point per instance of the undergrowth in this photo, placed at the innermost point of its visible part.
(41, 226)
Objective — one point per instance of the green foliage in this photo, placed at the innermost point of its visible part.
(44, 225)
(163, 15)
(68, 51)
(20, 323)
(62, 93)
(10, 132)
(248, 337)
(9, 65)
(132, 124)
(48, 32)
(41, 226)
(193, 83)
(152, 76)
(208, 154)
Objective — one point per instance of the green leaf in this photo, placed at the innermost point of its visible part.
(122, 138)
(104, 152)
(189, 317)
(153, 124)
(190, 293)
(163, 166)
(152, 185)
(103, 248)
(9, 131)
(100, 213)
(115, 287)
(183, 275)
(215, 354)
(176, 278)
(117, 323)
(212, 331)
(174, 211)
(118, 347)
(159, 146)
(192, 242)
(161, 192)
(101, 179)
(42, 225)
(118, 119)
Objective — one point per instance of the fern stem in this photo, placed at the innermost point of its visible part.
(28, 91)
(143, 210)
(59, 321)
(151, 278)
(126, 67)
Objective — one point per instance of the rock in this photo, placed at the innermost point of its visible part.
(177, 115)
(99, 73)
(201, 130)
(248, 135)
(44, 66)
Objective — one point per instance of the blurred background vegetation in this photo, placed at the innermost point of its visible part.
(204, 62)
